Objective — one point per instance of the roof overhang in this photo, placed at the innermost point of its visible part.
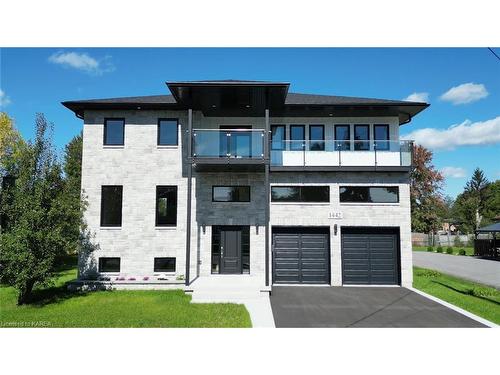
(217, 98)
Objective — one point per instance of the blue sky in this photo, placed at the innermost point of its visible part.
(462, 86)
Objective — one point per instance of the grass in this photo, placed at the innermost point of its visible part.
(58, 307)
(475, 298)
(468, 250)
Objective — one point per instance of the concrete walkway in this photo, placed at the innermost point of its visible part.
(483, 271)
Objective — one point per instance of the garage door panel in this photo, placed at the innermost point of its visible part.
(369, 257)
(305, 254)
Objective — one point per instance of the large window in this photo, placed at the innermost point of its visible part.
(164, 265)
(297, 137)
(111, 206)
(167, 132)
(369, 194)
(342, 137)
(316, 137)
(300, 194)
(109, 264)
(114, 132)
(381, 136)
(361, 137)
(277, 137)
(230, 193)
(166, 206)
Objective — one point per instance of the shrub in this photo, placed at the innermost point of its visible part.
(449, 250)
(427, 273)
(479, 291)
(461, 252)
(430, 249)
(439, 249)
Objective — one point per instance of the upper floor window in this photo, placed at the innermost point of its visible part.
(300, 194)
(316, 137)
(231, 194)
(111, 205)
(166, 206)
(369, 194)
(114, 132)
(297, 137)
(381, 136)
(167, 132)
(277, 137)
(342, 137)
(361, 137)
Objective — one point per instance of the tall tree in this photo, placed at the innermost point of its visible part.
(425, 192)
(37, 215)
(10, 141)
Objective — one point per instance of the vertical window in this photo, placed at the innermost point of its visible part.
(166, 206)
(316, 137)
(277, 137)
(109, 264)
(167, 132)
(111, 206)
(114, 132)
(361, 137)
(342, 137)
(164, 265)
(381, 136)
(297, 137)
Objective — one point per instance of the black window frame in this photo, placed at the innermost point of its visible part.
(346, 144)
(100, 265)
(381, 144)
(156, 266)
(283, 141)
(301, 189)
(113, 225)
(320, 141)
(300, 147)
(231, 186)
(176, 132)
(104, 138)
(157, 216)
(396, 188)
(365, 146)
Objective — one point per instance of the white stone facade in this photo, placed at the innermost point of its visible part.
(140, 165)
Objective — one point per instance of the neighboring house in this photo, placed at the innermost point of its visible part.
(243, 177)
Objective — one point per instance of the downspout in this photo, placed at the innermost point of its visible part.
(267, 192)
(189, 193)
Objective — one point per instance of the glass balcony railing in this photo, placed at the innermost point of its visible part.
(231, 143)
(341, 153)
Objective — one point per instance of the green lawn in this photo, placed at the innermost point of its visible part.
(468, 250)
(475, 298)
(57, 307)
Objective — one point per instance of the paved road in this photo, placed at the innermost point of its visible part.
(298, 306)
(480, 270)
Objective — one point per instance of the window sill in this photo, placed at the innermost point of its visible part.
(110, 228)
(302, 203)
(167, 147)
(174, 227)
(368, 204)
(231, 202)
(113, 146)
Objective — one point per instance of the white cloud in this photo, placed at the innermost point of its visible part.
(4, 99)
(83, 62)
(465, 134)
(453, 172)
(418, 97)
(465, 93)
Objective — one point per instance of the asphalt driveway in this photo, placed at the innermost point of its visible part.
(483, 271)
(308, 307)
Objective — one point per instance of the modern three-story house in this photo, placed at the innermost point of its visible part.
(246, 178)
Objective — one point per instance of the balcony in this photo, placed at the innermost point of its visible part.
(341, 155)
(238, 149)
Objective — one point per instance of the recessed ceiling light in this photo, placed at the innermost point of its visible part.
(248, 106)
(138, 107)
(330, 114)
(213, 106)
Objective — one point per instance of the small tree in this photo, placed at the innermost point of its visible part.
(37, 215)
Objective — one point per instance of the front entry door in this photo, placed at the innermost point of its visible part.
(230, 250)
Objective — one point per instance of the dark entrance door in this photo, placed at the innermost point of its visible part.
(230, 249)
(370, 256)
